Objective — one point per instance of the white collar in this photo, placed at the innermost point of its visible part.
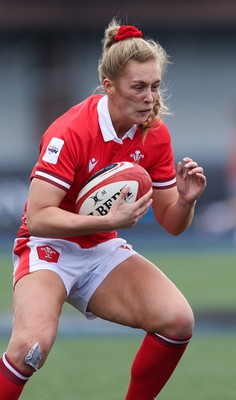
(106, 126)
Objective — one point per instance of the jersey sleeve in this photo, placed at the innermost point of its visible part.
(162, 170)
(57, 159)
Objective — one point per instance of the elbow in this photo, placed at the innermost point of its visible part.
(174, 226)
(33, 226)
(178, 230)
(178, 233)
(32, 229)
(174, 232)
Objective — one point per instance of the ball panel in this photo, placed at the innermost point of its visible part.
(103, 188)
(103, 174)
(100, 199)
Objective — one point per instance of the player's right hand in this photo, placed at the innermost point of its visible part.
(125, 215)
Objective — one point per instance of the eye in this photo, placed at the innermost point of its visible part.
(139, 87)
(155, 87)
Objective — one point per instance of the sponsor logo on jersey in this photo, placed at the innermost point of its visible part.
(53, 150)
(137, 155)
(48, 253)
(92, 163)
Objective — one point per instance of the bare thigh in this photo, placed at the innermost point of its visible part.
(137, 294)
(37, 304)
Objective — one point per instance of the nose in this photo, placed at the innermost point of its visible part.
(148, 96)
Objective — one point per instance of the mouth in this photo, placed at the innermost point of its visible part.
(144, 112)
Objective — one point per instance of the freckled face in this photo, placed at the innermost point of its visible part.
(135, 93)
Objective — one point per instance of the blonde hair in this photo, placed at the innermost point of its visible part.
(115, 56)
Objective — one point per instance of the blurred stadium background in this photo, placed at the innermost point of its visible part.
(49, 54)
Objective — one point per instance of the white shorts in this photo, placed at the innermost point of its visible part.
(81, 270)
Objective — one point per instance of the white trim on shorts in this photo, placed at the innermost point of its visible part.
(81, 270)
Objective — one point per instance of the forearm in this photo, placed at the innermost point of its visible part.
(52, 221)
(55, 222)
(174, 208)
(178, 217)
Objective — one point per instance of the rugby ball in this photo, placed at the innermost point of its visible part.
(104, 187)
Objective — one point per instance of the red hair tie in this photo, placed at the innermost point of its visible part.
(127, 31)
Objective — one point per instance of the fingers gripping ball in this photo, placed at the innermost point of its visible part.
(104, 187)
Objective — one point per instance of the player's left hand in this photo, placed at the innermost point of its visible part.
(191, 180)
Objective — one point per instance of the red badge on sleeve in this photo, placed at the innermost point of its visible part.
(48, 253)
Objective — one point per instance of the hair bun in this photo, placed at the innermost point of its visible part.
(127, 31)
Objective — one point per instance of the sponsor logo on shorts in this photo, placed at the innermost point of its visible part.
(48, 253)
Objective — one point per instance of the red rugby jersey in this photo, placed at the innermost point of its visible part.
(83, 140)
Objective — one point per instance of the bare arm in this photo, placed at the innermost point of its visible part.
(46, 219)
(174, 208)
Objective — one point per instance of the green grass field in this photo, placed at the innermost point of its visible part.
(97, 368)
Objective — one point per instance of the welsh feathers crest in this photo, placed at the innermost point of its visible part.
(137, 155)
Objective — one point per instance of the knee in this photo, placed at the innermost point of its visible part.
(37, 349)
(177, 322)
(182, 323)
(30, 351)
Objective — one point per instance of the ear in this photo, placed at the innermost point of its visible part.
(108, 87)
